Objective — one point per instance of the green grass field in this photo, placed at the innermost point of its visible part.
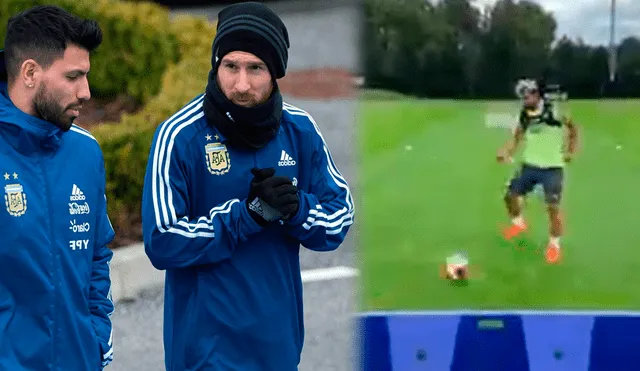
(431, 186)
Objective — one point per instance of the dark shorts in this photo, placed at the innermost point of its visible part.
(527, 177)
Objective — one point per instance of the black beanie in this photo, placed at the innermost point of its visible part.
(253, 28)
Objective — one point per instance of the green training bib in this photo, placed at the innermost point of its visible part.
(544, 138)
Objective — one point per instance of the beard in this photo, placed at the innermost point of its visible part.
(49, 109)
(248, 100)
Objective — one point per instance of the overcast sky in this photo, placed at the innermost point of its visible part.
(589, 19)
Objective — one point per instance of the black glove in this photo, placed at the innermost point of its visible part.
(271, 197)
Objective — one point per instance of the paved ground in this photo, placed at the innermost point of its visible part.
(320, 37)
(328, 343)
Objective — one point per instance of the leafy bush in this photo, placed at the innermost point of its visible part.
(126, 144)
(136, 48)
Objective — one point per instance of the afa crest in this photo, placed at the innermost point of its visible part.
(217, 158)
(15, 199)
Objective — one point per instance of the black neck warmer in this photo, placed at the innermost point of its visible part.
(251, 127)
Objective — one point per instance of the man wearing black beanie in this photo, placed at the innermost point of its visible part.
(236, 181)
(247, 109)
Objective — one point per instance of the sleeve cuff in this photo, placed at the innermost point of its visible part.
(303, 210)
(250, 226)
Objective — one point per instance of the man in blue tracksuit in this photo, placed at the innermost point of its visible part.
(236, 181)
(55, 299)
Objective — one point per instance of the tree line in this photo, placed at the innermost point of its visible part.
(453, 49)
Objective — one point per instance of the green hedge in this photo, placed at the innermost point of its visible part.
(126, 144)
(136, 48)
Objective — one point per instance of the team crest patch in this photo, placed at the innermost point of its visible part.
(15, 199)
(218, 161)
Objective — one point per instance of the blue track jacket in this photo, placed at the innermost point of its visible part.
(233, 292)
(55, 299)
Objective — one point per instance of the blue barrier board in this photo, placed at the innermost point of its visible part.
(500, 340)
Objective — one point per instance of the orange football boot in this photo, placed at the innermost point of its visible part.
(513, 230)
(552, 254)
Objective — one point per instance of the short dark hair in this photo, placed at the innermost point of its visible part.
(43, 33)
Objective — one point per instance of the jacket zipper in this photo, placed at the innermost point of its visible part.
(54, 257)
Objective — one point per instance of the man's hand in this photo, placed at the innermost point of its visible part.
(271, 197)
(504, 156)
(568, 157)
(573, 138)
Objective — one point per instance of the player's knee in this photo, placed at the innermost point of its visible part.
(510, 197)
(553, 210)
(552, 197)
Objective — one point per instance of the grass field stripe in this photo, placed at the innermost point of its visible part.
(328, 274)
(500, 313)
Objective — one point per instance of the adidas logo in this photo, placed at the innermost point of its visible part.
(286, 160)
(76, 194)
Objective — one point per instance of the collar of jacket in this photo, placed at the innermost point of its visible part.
(222, 137)
(26, 133)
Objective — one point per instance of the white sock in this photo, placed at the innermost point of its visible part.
(555, 241)
(518, 220)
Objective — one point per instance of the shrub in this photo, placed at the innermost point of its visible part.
(126, 144)
(136, 48)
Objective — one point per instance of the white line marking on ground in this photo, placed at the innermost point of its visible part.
(326, 274)
(500, 312)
